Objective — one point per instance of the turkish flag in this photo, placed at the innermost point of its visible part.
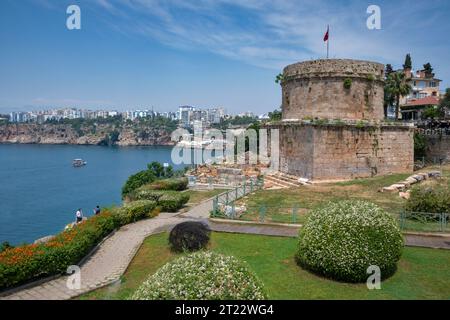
(327, 35)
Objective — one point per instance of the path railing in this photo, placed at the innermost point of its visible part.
(424, 221)
(229, 197)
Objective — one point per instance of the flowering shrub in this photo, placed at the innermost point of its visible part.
(341, 240)
(189, 236)
(202, 276)
(28, 262)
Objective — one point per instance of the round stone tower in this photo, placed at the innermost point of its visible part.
(333, 89)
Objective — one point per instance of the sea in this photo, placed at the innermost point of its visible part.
(40, 190)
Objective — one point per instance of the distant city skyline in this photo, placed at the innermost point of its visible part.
(204, 53)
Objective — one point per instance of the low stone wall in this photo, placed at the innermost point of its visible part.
(326, 152)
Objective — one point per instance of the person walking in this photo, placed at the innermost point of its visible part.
(97, 210)
(79, 215)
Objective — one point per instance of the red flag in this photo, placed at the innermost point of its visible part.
(327, 35)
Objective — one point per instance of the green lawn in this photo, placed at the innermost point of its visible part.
(422, 274)
(279, 204)
(197, 196)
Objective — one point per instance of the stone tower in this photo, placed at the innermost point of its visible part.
(333, 124)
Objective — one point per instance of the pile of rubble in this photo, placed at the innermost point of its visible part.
(404, 185)
(225, 174)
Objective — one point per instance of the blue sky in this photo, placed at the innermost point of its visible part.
(162, 54)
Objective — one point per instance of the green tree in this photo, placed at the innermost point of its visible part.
(408, 62)
(397, 86)
(430, 113)
(275, 115)
(155, 171)
(428, 70)
(389, 69)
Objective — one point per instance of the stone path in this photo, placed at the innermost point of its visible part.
(113, 256)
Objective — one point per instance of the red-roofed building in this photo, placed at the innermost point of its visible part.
(413, 108)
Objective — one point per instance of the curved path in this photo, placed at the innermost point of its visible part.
(114, 254)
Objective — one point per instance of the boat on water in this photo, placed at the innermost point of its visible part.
(79, 163)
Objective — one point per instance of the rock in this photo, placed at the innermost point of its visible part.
(304, 181)
(405, 195)
(43, 240)
(389, 189)
(411, 180)
(418, 177)
(434, 174)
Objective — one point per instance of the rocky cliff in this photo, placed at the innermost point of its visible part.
(102, 134)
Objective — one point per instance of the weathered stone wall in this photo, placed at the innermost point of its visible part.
(323, 152)
(437, 147)
(315, 89)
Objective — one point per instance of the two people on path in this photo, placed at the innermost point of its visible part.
(79, 213)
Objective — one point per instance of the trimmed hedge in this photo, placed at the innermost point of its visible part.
(135, 211)
(429, 199)
(341, 240)
(172, 202)
(25, 263)
(202, 276)
(175, 184)
(167, 201)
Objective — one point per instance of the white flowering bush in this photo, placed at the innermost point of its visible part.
(341, 240)
(202, 276)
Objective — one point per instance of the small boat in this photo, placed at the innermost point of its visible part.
(79, 163)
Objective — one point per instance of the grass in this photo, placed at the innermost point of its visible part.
(422, 273)
(279, 204)
(197, 196)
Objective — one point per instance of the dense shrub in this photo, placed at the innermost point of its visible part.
(176, 184)
(134, 211)
(28, 262)
(155, 171)
(167, 201)
(434, 199)
(5, 245)
(202, 276)
(172, 202)
(137, 180)
(341, 240)
(189, 236)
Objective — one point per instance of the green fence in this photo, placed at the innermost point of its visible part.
(424, 221)
(229, 197)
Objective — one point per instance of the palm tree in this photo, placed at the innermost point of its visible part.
(397, 87)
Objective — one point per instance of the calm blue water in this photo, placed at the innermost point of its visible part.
(40, 190)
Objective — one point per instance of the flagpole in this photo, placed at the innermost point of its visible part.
(328, 42)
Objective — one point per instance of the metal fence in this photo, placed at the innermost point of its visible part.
(424, 221)
(229, 197)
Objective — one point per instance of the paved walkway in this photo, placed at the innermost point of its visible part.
(113, 256)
